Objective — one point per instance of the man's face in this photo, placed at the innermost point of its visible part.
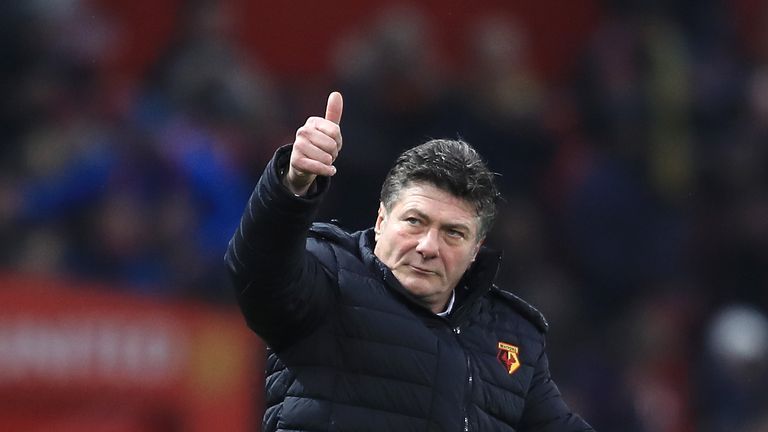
(428, 239)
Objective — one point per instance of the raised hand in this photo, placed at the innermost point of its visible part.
(316, 147)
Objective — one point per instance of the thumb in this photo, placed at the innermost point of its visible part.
(334, 107)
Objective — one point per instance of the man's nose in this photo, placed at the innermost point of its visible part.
(428, 245)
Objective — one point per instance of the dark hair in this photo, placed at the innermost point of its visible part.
(451, 165)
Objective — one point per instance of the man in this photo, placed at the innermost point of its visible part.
(399, 327)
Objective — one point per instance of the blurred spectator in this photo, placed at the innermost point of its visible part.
(500, 105)
(639, 162)
(59, 151)
(209, 118)
(732, 247)
(395, 91)
(657, 359)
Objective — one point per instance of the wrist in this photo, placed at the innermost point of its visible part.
(301, 191)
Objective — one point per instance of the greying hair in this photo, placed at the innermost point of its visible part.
(451, 165)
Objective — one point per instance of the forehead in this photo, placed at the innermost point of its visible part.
(436, 203)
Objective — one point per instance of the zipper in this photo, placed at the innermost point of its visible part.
(468, 391)
(468, 394)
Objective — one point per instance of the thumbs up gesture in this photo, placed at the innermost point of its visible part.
(316, 147)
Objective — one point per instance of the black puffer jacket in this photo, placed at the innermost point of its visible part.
(350, 350)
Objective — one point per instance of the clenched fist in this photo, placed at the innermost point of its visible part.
(316, 147)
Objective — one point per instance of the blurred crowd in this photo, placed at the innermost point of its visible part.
(635, 211)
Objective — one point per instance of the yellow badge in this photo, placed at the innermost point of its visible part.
(508, 356)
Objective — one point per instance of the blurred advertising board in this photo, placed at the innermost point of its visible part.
(77, 357)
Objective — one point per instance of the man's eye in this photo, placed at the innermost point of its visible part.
(456, 234)
(412, 221)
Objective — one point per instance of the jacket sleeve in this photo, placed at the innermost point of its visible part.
(545, 409)
(282, 290)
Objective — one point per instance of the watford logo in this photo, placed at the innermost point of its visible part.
(507, 355)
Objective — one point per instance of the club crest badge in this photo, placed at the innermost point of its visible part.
(508, 356)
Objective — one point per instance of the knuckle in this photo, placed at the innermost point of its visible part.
(325, 126)
(335, 130)
(329, 145)
(299, 146)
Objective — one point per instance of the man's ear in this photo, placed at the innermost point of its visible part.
(477, 248)
(380, 218)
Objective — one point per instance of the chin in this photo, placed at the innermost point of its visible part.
(419, 288)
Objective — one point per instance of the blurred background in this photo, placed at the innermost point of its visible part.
(630, 138)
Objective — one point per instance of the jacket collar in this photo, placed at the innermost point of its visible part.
(477, 281)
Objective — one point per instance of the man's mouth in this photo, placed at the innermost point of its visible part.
(421, 270)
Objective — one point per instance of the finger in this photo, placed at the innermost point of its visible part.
(310, 150)
(312, 134)
(330, 140)
(310, 166)
(334, 107)
(330, 129)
